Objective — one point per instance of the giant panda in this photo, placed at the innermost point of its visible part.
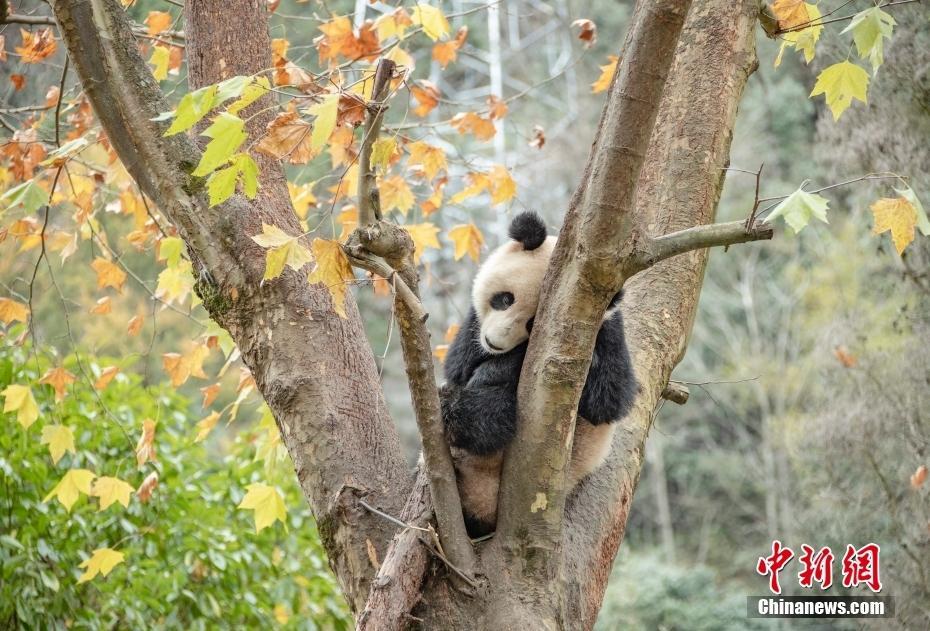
(482, 369)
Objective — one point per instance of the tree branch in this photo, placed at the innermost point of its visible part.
(35, 20)
(373, 240)
(587, 268)
(696, 238)
(369, 208)
(679, 187)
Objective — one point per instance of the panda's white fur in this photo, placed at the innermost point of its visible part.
(509, 268)
(483, 368)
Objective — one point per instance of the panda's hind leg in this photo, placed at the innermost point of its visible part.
(590, 449)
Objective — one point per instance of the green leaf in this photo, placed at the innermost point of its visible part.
(222, 183)
(798, 208)
(923, 224)
(869, 29)
(254, 91)
(326, 112)
(231, 88)
(170, 249)
(191, 110)
(227, 133)
(249, 171)
(29, 195)
(840, 84)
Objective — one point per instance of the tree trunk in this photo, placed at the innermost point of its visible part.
(316, 371)
(313, 368)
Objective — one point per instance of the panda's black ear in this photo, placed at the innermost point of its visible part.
(528, 228)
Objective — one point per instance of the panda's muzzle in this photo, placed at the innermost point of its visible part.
(491, 346)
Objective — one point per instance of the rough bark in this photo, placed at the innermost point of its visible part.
(589, 265)
(313, 368)
(679, 187)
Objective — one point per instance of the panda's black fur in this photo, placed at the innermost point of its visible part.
(479, 400)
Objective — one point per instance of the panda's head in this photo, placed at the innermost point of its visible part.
(506, 289)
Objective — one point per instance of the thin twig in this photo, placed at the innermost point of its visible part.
(369, 206)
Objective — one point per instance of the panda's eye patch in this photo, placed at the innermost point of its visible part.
(501, 300)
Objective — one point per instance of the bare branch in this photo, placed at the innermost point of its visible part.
(35, 20)
(676, 392)
(696, 238)
(369, 208)
(387, 250)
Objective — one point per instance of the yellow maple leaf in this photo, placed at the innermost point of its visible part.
(434, 23)
(59, 439)
(840, 84)
(161, 56)
(59, 379)
(396, 194)
(333, 270)
(451, 332)
(36, 46)
(175, 282)
(267, 503)
(302, 198)
(502, 185)
(393, 24)
(283, 249)
(790, 13)
(431, 158)
(205, 426)
(180, 367)
(209, 394)
(111, 490)
(607, 75)
(804, 40)
(12, 311)
(145, 447)
(448, 51)
(101, 562)
(106, 376)
(441, 351)
(470, 122)
(103, 306)
(70, 487)
(383, 152)
(108, 274)
(158, 21)
(19, 399)
(424, 236)
(348, 221)
(135, 325)
(477, 184)
(897, 215)
(427, 95)
(468, 240)
(327, 113)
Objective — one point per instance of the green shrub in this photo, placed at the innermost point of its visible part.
(192, 559)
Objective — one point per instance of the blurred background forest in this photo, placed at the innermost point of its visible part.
(808, 368)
